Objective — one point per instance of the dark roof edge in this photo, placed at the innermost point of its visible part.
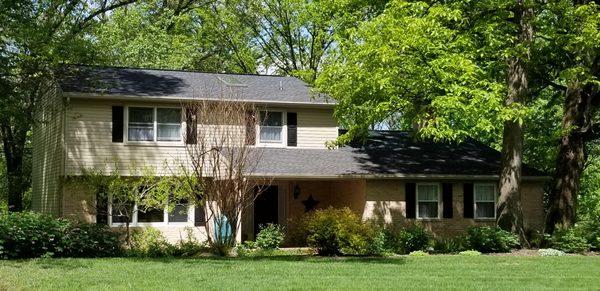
(176, 70)
(393, 176)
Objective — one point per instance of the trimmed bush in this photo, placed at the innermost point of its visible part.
(31, 235)
(491, 239)
(336, 231)
(569, 241)
(406, 240)
(270, 236)
(550, 253)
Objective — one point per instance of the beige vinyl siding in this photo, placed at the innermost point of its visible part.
(89, 144)
(47, 163)
(315, 127)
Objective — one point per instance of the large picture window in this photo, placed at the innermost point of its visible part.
(428, 200)
(271, 127)
(485, 200)
(180, 214)
(154, 124)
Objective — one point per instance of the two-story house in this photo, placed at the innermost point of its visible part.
(115, 117)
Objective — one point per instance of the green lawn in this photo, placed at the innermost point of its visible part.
(297, 272)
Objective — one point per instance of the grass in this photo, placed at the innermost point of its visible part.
(302, 272)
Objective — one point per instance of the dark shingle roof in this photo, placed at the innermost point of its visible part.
(185, 85)
(387, 153)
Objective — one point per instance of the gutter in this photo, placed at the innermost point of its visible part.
(119, 97)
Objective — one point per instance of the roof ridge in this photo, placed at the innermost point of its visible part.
(175, 70)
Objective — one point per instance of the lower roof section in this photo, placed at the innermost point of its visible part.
(387, 154)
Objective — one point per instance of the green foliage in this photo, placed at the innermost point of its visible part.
(30, 235)
(470, 253)
(590, 231)
(488, 239)
(569, 241)
(336, 231)
(449, 245)
(551, 253)
(405, 240)
(418, 254)
(270, 236)
(150, 242)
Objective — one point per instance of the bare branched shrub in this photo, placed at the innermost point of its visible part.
(221, 160)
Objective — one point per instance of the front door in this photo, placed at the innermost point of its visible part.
(265, 208)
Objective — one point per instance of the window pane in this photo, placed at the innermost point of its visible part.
(270, 133)
(141, 124)
(168, 124)
(485, 193)
(427, 193)
(428, 209)
(485, 209)
(151, 215)
(168, 115)
(271, 118)
(179, 213)
(199, 216)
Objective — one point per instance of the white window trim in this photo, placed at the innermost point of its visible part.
(154, 142)
(439, 195)
(283, 142)
(165, 222)
(475, 200)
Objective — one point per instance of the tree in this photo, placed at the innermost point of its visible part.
(36, 37)
(293, 37)
(219, 165)
(180, 34)
(574, 52)
(510, 214)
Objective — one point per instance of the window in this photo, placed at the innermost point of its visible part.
(428, 200)
(154, 124)
(179, 212)
(485, 200)
(271, 127)
(155, 217)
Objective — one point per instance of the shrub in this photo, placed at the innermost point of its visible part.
(449, 245)
(189, 246)
(149, 242)
(491, 239)
(569, 241)
(377, 245)
(470, 253)
(30, 235)
(405, 240)
(551, 253)
(270, 236)
(90, 240)
(418, 254)
(336, 231)
(590, 231)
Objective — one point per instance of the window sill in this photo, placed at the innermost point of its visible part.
(483, 219)
(429, 219)
(154, 144)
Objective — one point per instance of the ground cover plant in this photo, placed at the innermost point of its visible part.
(281, 272)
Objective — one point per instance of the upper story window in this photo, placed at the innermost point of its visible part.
(271, 127)
(428, 200)
(154, 124)
(485, 200)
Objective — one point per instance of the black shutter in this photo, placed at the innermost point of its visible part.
(117, 123)
(411, 200)
(468, 200)
(191, 121)
(447, 200)
(250, 128)
(102, 206)
(292, 129)
(199, 216)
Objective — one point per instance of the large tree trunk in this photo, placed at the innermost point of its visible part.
(510, 214)
(570, 161)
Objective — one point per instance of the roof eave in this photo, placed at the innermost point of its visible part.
(392, 176)
(121, 97)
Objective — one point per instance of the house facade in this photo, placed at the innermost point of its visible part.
(112, 118)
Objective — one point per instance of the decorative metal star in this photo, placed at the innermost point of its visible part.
(310, 203)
